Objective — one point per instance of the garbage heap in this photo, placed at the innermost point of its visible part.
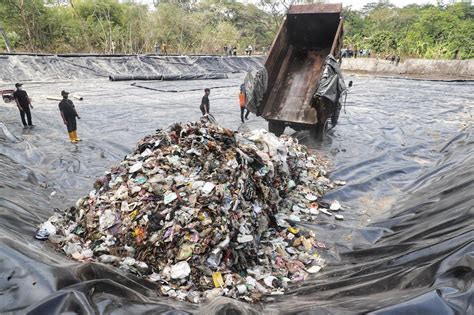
(204, 211)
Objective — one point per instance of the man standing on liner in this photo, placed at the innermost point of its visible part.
(23, 103)
(205, 102)
(243, 103)
(69, 114)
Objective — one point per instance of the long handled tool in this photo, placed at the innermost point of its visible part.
(57, 98)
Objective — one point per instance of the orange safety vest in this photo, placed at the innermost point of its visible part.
(242, 99)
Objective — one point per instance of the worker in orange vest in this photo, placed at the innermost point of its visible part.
(243, 102)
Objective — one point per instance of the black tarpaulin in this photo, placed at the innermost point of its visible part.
(331, 84)
(404, 147)
(255, 83)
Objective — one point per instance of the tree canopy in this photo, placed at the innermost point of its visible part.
(427, 31)
(191, 26)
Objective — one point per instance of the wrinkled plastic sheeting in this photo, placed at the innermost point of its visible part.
(7, 133)
(416, 259)
(421, 264)
(331, 84)
(43, 68)
(423, 259)
(256, 83)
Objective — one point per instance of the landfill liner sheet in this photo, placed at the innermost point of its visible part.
(146, 67)
(405, 246)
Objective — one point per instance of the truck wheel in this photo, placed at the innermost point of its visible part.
(276, 127)
(317, 131)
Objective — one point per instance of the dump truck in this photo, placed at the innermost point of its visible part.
(301, 85)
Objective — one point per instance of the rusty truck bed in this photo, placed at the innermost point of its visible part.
(295, 62)
(291, 95)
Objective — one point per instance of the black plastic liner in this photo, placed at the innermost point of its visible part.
(169, 77)
(418, 259)
(77, 67)
(405, 148)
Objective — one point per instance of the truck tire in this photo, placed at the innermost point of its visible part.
(276, 127)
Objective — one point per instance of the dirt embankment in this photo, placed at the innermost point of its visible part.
(416, 68)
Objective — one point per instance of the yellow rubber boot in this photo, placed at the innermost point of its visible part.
(75, 136)
(71, 137)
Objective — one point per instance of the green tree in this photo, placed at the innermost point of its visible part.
(24, 17)
(440, 33)
(186, 26)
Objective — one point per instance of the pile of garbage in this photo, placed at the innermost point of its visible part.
(204, 211)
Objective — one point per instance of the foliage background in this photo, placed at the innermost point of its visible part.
(191, 26)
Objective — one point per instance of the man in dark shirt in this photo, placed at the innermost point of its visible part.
(69, 114)
(205, 102)
(23, 103)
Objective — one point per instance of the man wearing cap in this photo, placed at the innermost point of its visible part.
(69, 114)
(23, 103)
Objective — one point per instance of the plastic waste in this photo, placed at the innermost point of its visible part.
(180, 270)
(335, 206)
(242, 289)
(46, 230)
(170, 197)
(203, 211)
(136, 167)
(42, 235)
(244, 238)
(217, 279)
(325, 211)
(214, 258)
(208, 187)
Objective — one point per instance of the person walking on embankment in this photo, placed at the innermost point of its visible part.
(69, 114)
(24, 104)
